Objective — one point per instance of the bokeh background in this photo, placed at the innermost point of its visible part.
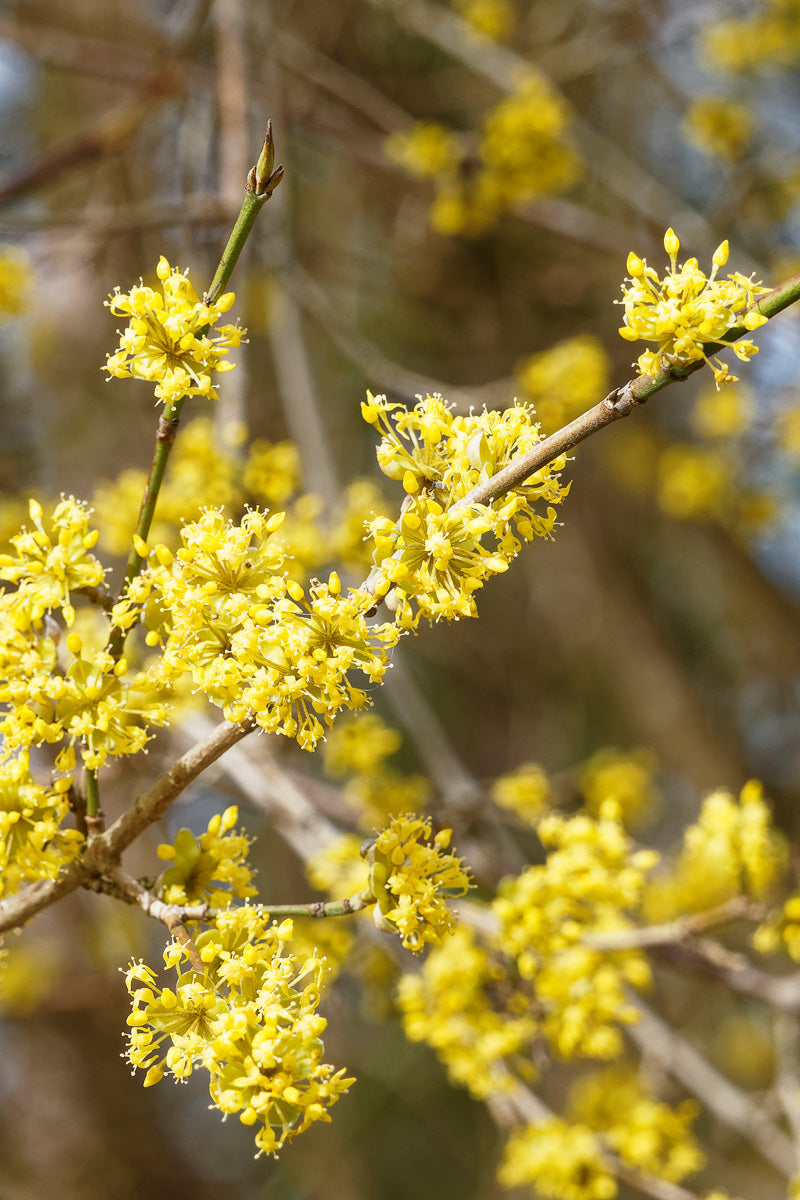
(479, 255)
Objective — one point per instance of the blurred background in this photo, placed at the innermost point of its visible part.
(464, 182)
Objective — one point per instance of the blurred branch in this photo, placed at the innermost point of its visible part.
(786, 1033)
(679, 930)
(105, 136)
(729, 1104)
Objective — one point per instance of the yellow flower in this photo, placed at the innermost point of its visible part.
(449, 1005)
(733, 849)
(167, 342)
(211, 868)
(33, 844)
(412, 875)
(561, 1161)
(653, 1137)
(686, 311)
(249, 1020)
(620, 785)
(565, 379)
(494, 19)
(16, 279)
(721, 127)
(593, 880)
(426, 149)
(525, 791)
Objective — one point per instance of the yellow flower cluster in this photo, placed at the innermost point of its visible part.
(725, 414)
(564, 380)
(781, 929)
(16, 279)
(562, 1161)
(433, 559)
(33, 844)
(339, 868)
(733, 849)
(522, 154)
(357, 751)
(493, 19)
(525, 791)
(166, 340)
(686, 311)
(769, 37)
(449, 1006)
(255, 643)
(89, 699)
(250, 1020)
(412, 875)
(719, 127)
(621, 786)
(592, 881)
(650, 1135)
(211, 868)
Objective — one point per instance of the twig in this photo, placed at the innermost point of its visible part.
(103, 853)
(735, 971)
(786, 1033)
(679, 930)
(729, 1104)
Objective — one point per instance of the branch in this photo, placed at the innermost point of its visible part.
(103, 853)
(780, 992)
(679, 930)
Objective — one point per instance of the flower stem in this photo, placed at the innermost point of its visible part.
(261, 183)
(92, 793)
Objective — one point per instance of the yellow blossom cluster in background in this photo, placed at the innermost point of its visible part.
(356, 750)
(733, 849)
(16, 282)
(564, 380)
(522, 153)
(493, 19)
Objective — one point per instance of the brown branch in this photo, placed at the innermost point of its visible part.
(102, 854)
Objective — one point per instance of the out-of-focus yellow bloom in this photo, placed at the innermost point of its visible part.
(359, 746)
(619, 785)
(593, 880)
(425, 149)
(525, 791)
(566, 379)
(723, 414)
(686, 311)
(733, 849)
(167, 340)
(493, 19)
(449, 1006)
(16, 281)
(720, 127)
(695, 483)
(339, 868)
(561, 1161)
(653, 1137)
(768, 37)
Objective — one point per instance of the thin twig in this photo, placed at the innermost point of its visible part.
(679, 930)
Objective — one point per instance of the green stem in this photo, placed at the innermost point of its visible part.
(261, 183)
(92, 793)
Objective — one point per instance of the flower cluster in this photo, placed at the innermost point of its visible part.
(33, 844)
(732, 850)
(719, 127)
(592, 881)
(257, 644)
(250, 1020)
(89, 696)
(493, 19)
(412, 875)
(16, 279)
(209, 869)
(356, 750)
(646, 1133)
(167, 341)
(562, 1161)
(687, 311)
(434, 558)
(525, 791)
(618, 785)
(522, 153)
(449, 1005)
(770, 37)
